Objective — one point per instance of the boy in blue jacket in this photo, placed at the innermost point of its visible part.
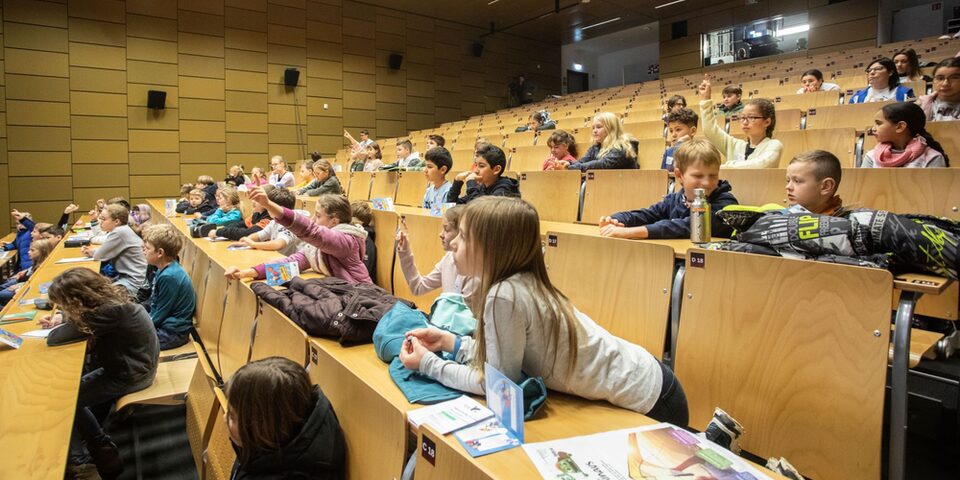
(697, 166)
(22, 241)
(173, 300)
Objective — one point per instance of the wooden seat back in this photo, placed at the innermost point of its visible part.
(411, 187)
(816, 331)
(631, 303)
(358, 188)
(555, 194)
(611, 191)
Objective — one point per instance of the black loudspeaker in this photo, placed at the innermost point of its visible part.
(477, 49)
(395, 60)
(678, 30)
(291, 77)
(156, 99)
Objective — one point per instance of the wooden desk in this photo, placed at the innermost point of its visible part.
(40, 385)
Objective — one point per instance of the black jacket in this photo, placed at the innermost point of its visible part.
(330, 307)
(211, 191)
(235, 181)
(670, 218)
(257, 221)
(317, 452)
(370, 254)
(616, 158)
(504, 187)
(206, 207)
(124, 342)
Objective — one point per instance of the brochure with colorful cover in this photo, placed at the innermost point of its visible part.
(170, 207)
(385, 204)
(7, 338)
(280, 273)
(652, 452)
(505, 430)
(451, 415)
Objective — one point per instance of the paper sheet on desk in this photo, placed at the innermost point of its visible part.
(42, 333)
(74, 260)
(217, 239)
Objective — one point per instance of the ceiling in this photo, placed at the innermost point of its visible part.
(536, 19)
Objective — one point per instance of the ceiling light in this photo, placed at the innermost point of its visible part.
(602, 23)
(492, 2)
(578, 67)
(674, 2)
(791, 30)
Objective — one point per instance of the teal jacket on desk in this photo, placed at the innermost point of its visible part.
(173, 300)
(220, 217)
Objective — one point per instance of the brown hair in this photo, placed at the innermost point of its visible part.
(696, 150)
(199, 193)
(767, 110)
(685, 116)
(505, 232)
(79, 291)
(43, 247)
(561, 137)
(362, 212)
(231, 195)
(165, 237)
(270, 400)
(336, 206)
(732, 90)
(118, 212)
(205, 179)
(186, 188)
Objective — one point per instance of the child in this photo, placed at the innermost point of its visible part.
(124, 345)
(538, 121)
(363, 218)
(279, 176)
(681, 126)
(812, 181)
(257, 178)
(908, 66)
(292, 432)
(184, 201)
(527, 327)
(374, 158)
(698, 166)
(274, 237)
(676, 103)
(902, 139)
(198, 203)
(173, 299)
(359, 159)
(758, 119)
(438, 164)
(21, 243)
(49, 232)
(229, 212)
(407, 159)
(486, 178)
(444, 275)
(209, 187)
(235, 177)
(122, 248)
(324, 180)
(731, 101)
(883, 84)
(258, 220)
(611, 147)
(944, 102)
(812, 81)
(38, 252)
(563, 148)
(305, 174)
(334, 245)
(434, 141)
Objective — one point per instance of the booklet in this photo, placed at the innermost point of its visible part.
(451, 415)
(385, 203)
(19, 316)
(11, 339)
(280, 273)
(75, 260)
(170, 207)
(238, 247)
(505, 430)
(655, 451)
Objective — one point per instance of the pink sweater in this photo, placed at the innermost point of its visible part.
(340, 248)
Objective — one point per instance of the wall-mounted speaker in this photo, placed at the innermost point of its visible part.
(395, 61)
(291, 77)
(476, 49)
(156, 99)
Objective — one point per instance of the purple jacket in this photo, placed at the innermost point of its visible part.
(341, 248)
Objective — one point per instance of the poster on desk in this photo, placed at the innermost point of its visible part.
(652, 452)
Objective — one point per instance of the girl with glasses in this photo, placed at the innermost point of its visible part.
(757, 119)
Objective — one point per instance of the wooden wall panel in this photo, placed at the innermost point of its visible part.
(75, 77)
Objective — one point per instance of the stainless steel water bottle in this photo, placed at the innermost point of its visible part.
(700, 217)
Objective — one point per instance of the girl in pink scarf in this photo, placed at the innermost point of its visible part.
(902, 139)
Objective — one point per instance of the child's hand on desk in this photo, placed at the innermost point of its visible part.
(197, 215)
(604, 221)
(561, 165)
(235, 273)
(212, 234)
(87, 250)
(412, 352)
(613, 231)
(433, 339)
(50, 321)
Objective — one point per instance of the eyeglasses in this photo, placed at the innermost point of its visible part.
(876, 69)
(750, 118)
(951, 79)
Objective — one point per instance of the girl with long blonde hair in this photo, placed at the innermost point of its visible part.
(527, 326)
(611, 149)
